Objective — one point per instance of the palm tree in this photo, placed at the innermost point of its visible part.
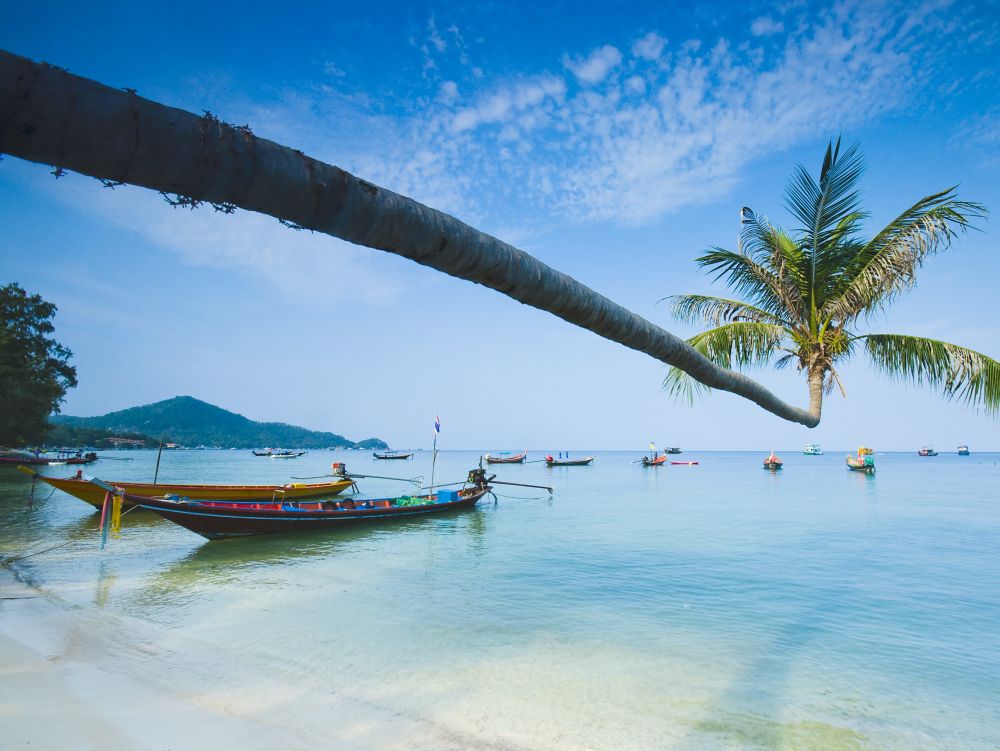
(52, 117)
(802, 294)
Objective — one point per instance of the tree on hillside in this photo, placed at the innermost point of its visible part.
(802, 294)
(34, 368)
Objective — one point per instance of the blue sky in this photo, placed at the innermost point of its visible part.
(615, 141)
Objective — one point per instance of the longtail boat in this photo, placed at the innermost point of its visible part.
(41, 461)
(218, 519)
(518, 459)
(391, 455)
(773, 463)
(92, 494)
(863, 463)
(279, 453)
(551, 462)
(654, 461)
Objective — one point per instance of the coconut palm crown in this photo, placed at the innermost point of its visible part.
(803, 293)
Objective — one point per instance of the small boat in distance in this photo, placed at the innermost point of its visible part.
(87, 492)
(62, 457)
(279, 453)
(812, 449)
(685, 464)
(550, 461)
(502, 459)
(392, 455)
(773, 462)
(672, 450)
(927, 451)
(861, 463)
(963, 450)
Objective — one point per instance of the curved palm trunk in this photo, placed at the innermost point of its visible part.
(52, 117)
(816, 392)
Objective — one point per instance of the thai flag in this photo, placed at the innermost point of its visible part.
(437, 424)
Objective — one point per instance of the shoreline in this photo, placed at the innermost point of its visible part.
(56, 693)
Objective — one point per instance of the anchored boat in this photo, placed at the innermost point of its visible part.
(552, 462)
(927, 451)
(392, 455)
(63, 457)
(812, 449)
(862, 463)
(654, 461)
(772, 462)
(218, 519)
(963, 450)
(518, 459)
(87, 492)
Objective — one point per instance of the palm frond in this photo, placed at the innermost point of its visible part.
(963, 374)
(822, 206)
(718, 310)
(887, 264)
(773, 249)
(752, 280)
(745, 344)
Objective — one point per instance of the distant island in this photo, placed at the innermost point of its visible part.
(187, 421)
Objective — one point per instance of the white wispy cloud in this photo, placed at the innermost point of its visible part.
(595, 67)
(596, 138)
(765, 26)
(649, 46)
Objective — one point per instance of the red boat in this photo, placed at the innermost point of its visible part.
(217, 519)
(658, 461)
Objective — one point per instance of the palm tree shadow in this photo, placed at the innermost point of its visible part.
(747, 714)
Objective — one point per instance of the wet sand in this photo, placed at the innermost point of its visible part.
(59, 690)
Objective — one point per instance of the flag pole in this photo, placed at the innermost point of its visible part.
(434, 457)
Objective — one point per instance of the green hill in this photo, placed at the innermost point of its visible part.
(192, 422)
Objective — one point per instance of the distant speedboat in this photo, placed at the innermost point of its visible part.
(963, 450)
(812, 449)
(927, 451)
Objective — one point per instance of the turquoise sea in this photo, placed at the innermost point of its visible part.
(720, 606)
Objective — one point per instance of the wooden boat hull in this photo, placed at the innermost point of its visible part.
(773, 465)
(657, 462)
(90, 493)
(569, 462)
(220, 521)
(391, 456)
(519, 459)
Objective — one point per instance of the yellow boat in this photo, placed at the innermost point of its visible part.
(90, 493)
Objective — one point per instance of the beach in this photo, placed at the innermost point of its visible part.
(730, 608)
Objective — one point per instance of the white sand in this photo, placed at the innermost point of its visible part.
(55, 692)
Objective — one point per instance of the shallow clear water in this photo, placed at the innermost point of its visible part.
(717, 606)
